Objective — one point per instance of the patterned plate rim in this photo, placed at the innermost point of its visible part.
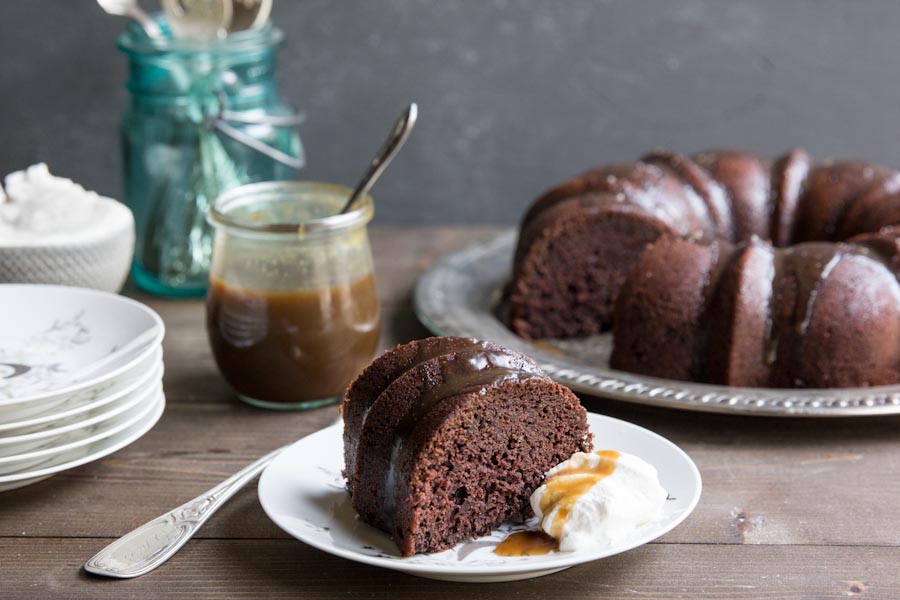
(134, 356)
(99, 449)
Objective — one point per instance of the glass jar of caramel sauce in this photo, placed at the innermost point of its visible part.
(292, 311)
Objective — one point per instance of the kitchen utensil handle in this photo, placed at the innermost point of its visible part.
(153, 543)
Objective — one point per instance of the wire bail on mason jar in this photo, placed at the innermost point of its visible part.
(220, 119)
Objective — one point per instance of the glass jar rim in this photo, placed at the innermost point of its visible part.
(218, 214)
(135, 42)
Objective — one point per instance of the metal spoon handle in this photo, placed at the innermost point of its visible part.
(149, 25)
(385, 154)
(132, 10)
(153, 543)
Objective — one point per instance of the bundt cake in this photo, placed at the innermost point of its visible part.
(756, 272)
(812, 315)
(445, 438)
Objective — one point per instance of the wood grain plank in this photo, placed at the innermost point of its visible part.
(289, 569)
(766, 481)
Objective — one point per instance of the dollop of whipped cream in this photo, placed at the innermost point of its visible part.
(595, 498)
(40, 207)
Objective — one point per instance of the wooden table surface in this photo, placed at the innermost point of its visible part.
(791, 508)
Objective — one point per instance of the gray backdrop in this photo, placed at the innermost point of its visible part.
(514, 94)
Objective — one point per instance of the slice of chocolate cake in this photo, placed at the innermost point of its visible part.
(445, 438)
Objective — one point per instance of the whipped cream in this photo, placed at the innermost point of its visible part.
(595, 498)
(40, 208)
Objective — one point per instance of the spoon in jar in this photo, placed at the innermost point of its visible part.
(385, 154)
(249, 14)
(201, 19)
(131, 9)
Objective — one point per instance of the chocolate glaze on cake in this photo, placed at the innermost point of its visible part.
(758, 273)
(447, 437)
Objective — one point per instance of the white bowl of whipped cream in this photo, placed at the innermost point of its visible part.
(54, 231)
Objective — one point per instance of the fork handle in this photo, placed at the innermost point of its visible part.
(153, 543)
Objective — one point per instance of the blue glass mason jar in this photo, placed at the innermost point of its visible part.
(205, 116)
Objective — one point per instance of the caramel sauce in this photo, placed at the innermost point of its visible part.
(292, 346)
(565, 488)
(527, 543)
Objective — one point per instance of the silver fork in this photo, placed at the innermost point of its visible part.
(153, 543)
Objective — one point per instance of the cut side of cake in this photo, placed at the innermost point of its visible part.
(445, 438)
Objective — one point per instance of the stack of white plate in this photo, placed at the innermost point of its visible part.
(80, 377)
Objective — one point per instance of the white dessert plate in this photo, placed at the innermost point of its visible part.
(44, 410)
(461, 295)
(303, 492)
(52, 335)
(42, 436)
(50, 450)
(88, 453)
(84, 402)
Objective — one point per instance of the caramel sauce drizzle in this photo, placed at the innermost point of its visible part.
(566, 487)
(563, 490)
(527, 543)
